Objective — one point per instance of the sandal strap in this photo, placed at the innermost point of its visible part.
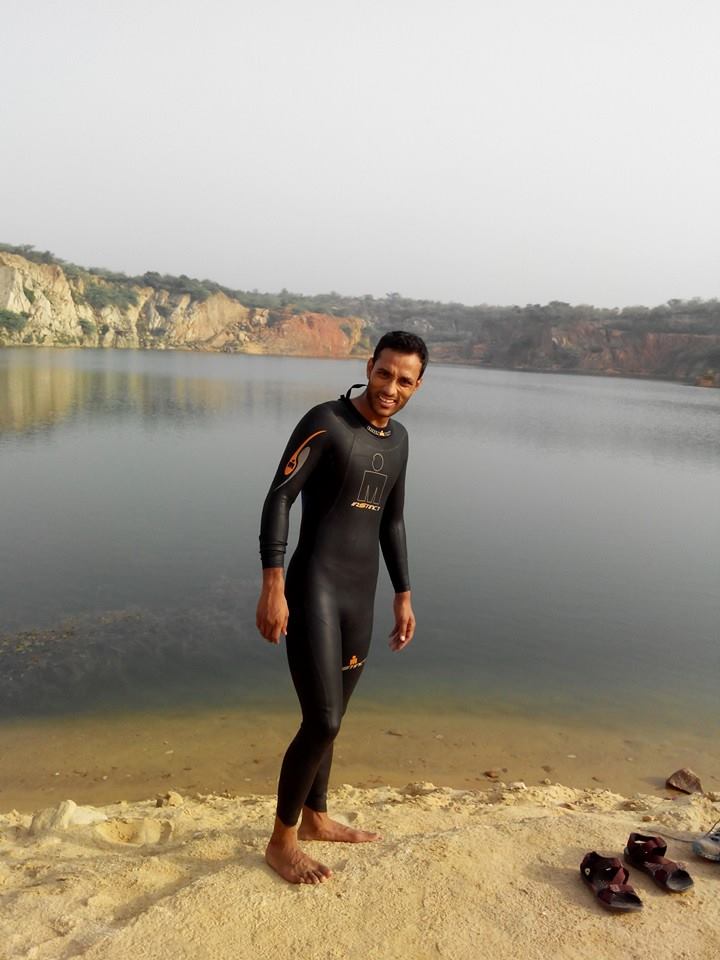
(642, 847)
(606, 870)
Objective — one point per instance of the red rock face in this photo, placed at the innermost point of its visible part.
(593, 348)
(676, 355)
(309, 334)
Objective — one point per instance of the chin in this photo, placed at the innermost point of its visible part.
(383, 414)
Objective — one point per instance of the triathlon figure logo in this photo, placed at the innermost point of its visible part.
(373, 484)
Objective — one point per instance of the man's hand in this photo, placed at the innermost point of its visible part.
(271, 616)
(404, 629)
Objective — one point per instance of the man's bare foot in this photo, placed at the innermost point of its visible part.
(319, 826)
(289, 861)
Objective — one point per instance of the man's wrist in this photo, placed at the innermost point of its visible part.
(273, 576)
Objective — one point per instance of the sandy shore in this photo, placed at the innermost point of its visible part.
(458, 874)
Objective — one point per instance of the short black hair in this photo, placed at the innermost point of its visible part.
(404, 343)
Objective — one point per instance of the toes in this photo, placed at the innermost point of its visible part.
(316, 873)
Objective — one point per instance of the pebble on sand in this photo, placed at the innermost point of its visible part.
(170, 799)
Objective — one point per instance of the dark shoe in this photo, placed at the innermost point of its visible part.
(608, 878)
(648, 855)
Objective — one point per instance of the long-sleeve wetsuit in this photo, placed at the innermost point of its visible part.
(352, 478)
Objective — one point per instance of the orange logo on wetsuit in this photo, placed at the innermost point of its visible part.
(297, 459)
(292, 463)
(354, 663)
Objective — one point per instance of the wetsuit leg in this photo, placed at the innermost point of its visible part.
(320, 642)
(317, 797)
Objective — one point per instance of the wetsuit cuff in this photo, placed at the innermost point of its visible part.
(272, 559)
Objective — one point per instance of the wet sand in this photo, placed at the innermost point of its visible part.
(99, 759)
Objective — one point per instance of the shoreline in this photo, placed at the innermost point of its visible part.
(360, 357)
(102, 758)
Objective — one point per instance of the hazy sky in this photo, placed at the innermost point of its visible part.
(497, 151)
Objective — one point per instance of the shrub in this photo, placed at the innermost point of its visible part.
(100, 296)
(30, 294)
(13, 322)
(28, 251)
(88, 328)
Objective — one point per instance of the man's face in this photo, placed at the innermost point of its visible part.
(392, 379)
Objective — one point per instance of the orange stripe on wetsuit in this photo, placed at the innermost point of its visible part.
(292, 462)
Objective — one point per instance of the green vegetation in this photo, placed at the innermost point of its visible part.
(13, 322)
(30, 294)
(28, 251)
(102, 295)
(88, 328)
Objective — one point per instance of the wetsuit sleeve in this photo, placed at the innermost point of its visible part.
(392, 535)
(304, 451)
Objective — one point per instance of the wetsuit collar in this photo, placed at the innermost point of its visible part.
(375, 431)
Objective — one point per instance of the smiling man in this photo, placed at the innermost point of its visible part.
(348, 458)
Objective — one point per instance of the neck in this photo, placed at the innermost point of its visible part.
(364, 409)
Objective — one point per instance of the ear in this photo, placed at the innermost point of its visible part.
(368, 368)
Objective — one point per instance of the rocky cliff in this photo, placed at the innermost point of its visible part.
(55, 304)
(41, 305)
(594, 348)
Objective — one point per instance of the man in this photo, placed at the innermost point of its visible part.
(348, 460)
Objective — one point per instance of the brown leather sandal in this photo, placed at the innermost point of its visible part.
(648, 854)
(608, 878)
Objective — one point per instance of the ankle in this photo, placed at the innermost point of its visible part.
(282, 835)
(314, 818)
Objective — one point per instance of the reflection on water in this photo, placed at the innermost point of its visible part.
(564, 534)
(40, 389)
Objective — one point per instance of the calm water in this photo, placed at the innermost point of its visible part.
(564, 535)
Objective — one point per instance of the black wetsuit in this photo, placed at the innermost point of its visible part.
(352, 478)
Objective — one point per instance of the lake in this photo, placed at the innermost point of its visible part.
(564, 536)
